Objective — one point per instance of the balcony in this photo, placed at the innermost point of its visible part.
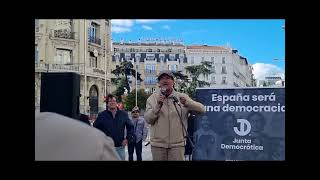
(76, 68)
(236, 75)
(94, 40)
(43, 67)
(64, 34)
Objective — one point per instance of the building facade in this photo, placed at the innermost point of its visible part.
(80, 46)
(149, 58)
(271, 81)
(229, 69)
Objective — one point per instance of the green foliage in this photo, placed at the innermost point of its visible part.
(130, 100)
(125, 69)
(120, 88)
(195, 71)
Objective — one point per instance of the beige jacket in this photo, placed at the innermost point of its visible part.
(166, 130)
(60, 138)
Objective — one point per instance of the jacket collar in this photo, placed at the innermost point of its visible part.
(173, 93)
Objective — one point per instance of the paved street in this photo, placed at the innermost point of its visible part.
(146, 150)
(146, 153)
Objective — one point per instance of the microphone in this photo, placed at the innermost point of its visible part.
(175, 99)
(163, 91)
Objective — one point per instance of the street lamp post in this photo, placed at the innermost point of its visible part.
(136, 84)
(84, 68)
(105, 73)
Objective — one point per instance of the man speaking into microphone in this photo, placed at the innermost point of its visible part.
(167, 113)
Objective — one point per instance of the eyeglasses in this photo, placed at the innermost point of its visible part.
(135, 112)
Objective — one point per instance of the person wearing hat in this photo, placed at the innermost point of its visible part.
(140, 134)
(167, 130)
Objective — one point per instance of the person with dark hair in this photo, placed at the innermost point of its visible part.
(113, 123)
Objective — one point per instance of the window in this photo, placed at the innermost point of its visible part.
(224, 70)
(150, 80)
(224, 80)
(172, 67)
(116, 49)
(212, 60)
(63, 56)
(117, 57)
(138, 56)
(161, 58)
(93, 30)
(192, 60)
(213, 69)
(223, 60)
(149, 50)
(150, 57)
(94, 33)
(154, 80)
(146, 80)
(213, 80)
(150, 69)
(93, 60)
(127, 57)
(172, 57)
(36, 54)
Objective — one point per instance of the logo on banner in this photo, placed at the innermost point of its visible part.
(245, 127)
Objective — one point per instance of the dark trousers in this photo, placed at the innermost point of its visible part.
(138, 147)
